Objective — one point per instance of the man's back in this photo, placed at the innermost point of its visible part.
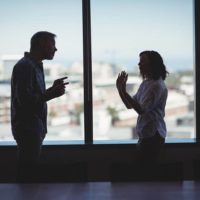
(28, 111)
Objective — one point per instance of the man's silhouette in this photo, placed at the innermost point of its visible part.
(28, 100)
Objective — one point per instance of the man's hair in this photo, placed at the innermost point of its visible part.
(40, 36)
(157, 66)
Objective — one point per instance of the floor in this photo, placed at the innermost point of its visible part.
(186, 190)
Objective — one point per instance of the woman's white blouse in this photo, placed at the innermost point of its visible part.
(151, 96)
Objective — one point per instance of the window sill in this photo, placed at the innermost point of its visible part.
(46, 143)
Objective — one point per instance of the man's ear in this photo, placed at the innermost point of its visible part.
(42, 44)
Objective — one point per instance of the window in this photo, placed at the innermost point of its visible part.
(120, 31)
(19, 21)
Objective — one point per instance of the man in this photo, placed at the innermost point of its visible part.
(29, 97)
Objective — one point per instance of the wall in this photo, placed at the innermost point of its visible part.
(103, 163)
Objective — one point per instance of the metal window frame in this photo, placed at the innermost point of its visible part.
(197, 66)
(87, 69)
(87, 62)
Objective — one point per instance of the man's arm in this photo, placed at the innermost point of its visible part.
(54, 92)
(58, 89)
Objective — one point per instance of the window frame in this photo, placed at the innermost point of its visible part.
(197, 67)
(88, 89)
(87, 56)
(87, 73)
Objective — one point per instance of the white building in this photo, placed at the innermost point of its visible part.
(187, 86)
(101, 124)
(4, 103)
(8, 62)
(53, 71)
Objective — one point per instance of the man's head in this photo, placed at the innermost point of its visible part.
(43, 43)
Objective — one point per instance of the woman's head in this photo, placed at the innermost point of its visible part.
(151, 65)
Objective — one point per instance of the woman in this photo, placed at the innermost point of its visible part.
(149, 102)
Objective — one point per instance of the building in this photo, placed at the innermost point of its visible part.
(8, 61)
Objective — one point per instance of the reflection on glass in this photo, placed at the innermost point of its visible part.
(64, 19)
(120, 31)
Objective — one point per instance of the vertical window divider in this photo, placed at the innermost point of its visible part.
(197, 67)
(87, 73)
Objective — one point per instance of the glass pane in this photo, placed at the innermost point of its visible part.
(19, 21)
(121, 29)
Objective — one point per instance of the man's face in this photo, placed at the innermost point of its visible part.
(49, 49)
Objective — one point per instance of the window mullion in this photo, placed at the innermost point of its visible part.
(87, 62)
(197, 65)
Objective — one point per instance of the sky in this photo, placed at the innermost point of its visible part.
(120, 28)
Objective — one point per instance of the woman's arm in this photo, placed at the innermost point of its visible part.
(126, 98)
(133, 104)
(120, 84)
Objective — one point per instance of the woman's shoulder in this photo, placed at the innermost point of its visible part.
(156, 84)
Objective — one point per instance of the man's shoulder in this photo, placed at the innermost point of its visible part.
(23, 63)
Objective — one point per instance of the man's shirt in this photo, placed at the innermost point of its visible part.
(28, 109)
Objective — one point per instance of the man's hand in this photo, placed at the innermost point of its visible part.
(59, 81)
(57, 90)
(58, 87)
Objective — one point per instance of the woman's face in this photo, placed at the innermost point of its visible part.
(144, 64)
